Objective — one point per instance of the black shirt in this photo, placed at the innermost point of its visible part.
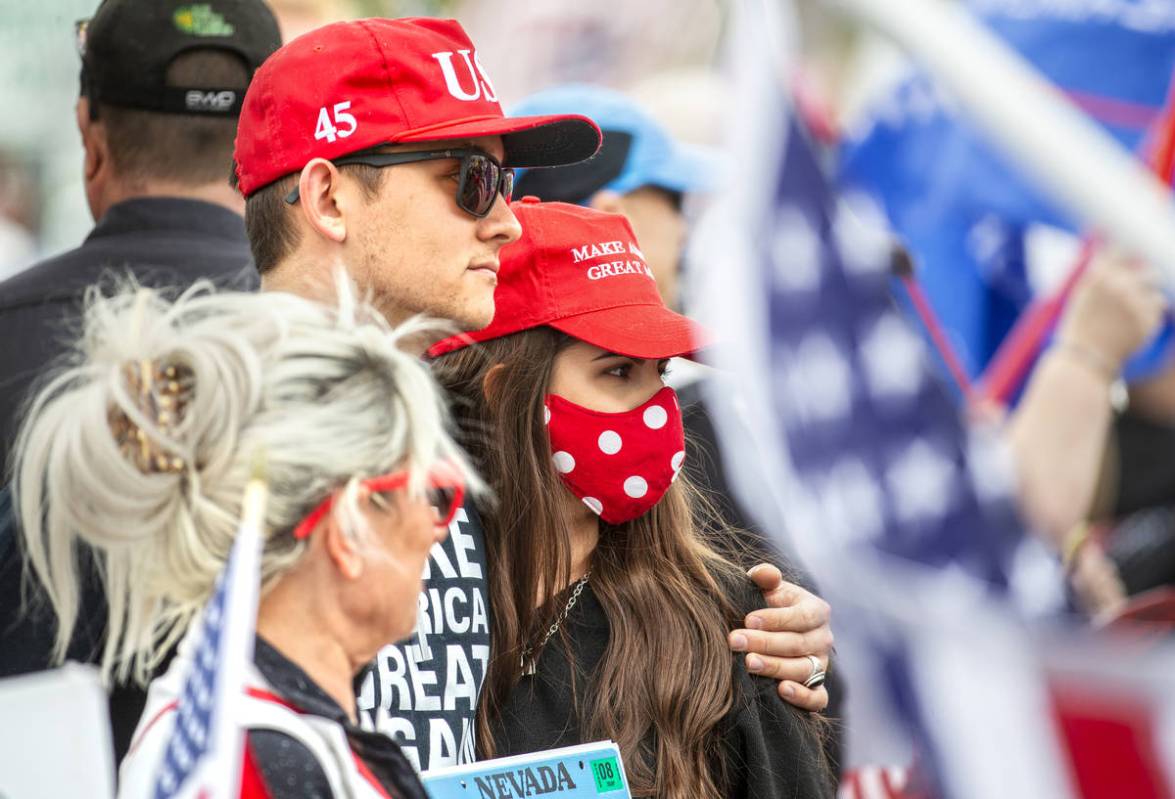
(164, 242)
(1146, 470)
(423, 692)
(289, 769)
(772, 749)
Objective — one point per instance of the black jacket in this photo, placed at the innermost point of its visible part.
(705, 466)
(164, 242)
(772, 748)
(289, 770)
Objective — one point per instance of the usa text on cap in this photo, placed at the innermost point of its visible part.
(352, 86)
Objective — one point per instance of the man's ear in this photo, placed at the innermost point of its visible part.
(93, 135)
(343, 550)
(319, 186)
(610, 202)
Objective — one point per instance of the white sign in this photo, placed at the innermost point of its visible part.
(55, 737)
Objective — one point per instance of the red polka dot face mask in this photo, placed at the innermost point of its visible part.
(619, 464)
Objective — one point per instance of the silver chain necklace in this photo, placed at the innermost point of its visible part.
(526, 663)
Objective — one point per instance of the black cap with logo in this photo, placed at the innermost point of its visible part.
(128, 45)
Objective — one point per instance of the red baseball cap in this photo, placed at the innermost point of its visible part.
(351, 86)
(581, 271)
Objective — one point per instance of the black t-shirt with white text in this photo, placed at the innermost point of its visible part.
(423, 691)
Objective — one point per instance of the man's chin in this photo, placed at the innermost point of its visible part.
(473, 318)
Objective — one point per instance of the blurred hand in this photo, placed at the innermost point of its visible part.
(1115, 309)
(1096, 582)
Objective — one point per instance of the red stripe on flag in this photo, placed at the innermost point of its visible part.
(876, 782)
(1110, 741)
(1160, 144)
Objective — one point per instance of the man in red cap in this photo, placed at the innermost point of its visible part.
(379, 146)
(326, 115)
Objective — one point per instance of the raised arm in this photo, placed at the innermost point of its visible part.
(1058, 432)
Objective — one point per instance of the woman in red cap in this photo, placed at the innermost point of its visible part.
(611, 605)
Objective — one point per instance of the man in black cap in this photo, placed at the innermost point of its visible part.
(161, 88)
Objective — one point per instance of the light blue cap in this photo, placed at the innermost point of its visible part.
(654, 158)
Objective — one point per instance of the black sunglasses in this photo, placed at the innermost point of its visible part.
(482, 178)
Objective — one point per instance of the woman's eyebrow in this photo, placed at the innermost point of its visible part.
(604, 355)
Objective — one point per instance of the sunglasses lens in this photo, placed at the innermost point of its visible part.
(442, 501)
(508, 184)
(481, 182)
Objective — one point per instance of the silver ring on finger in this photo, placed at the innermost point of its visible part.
(816, 666)
(816, 678)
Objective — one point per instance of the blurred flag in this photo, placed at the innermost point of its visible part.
(979, 233)
(203, 757)
(871, 434)
(875, 782)
(843, 438)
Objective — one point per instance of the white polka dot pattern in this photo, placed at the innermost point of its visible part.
(610, 442)
(618, 464)
(636, 487)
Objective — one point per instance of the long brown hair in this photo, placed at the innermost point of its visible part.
(658, 581)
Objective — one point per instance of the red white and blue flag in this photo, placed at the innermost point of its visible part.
(840, 434)
(203, 758)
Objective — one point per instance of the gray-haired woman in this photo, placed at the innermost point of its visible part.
(142, 451)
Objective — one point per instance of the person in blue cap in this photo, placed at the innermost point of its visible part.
(641, 171)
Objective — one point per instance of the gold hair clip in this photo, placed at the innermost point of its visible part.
(162, 393)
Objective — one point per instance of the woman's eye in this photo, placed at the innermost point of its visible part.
(622, 370)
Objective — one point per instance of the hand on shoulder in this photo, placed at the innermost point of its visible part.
(789, 639)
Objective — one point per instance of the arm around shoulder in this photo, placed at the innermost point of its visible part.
(773, 748)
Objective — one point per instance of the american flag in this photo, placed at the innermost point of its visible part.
(203, 756)
(874, 440)
(876, 458)
(843, 435)
(867, 444)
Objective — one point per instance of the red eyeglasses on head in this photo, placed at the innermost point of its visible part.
(444, 490)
